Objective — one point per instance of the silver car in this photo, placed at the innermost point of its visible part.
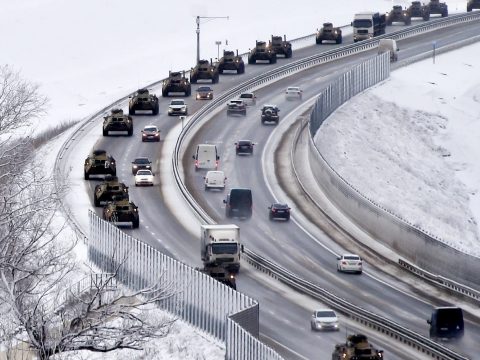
(324, 319)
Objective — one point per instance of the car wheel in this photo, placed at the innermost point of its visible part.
(136, 184)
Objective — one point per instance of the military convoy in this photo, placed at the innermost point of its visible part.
(473, 4)
(329, 33)
(99, 162)
(122, 210)
(109, 190)
(262, 51)
(231, 61)
(176, 83)
(204, 70)
(436, 7)
(143, 100)
(418, 10)
(281, 46)
(357, 347)
(398, 14)
(117, 121)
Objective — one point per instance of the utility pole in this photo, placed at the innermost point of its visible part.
(198, 30)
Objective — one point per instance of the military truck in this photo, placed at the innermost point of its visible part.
(329, 33)
(176, 82)
(262, 51)
(281, 46)
(398, 14)
(143, 100)
(436, 7)
(99, 162)
(231, 61)
(109, 190)
(204, 70)
(117, 121)
(122, 210)
(357, 347)
(473, 4)
(418, 10)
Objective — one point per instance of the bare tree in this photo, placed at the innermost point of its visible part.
(36, 265)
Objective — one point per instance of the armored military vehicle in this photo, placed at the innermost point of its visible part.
(418, 10)
(143, 100)
(118, 211)
(110, 189)
(473, 4)
(262, 51)
(176, 83)
(398, 14)
(357, 347)
(436, 7)
(231, 61)
(204, 70)
(281, 46)
(99, 162)
(117, 121)
(270, 114)
(330, 33)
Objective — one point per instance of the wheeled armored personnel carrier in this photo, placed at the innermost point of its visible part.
(204, 70)
(119, 211)
(398, 14)
(281, 46)
(270, 114)
(99, 162)
(109, 190)
(436, 7)
(329, 33)
(473, 4)
(231, 61)
(262, 51)
(143, 100)
(357, 347)
(117, 121)
(176, 83)
(418, 10)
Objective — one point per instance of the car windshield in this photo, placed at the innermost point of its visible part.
(244, 143)
(224, 248)
(246, 96)
(449, 318)
(177, 102)
(293, 89)
(142, 161)
(204, 89)
(351, 257)
(144, 172)
(280, 206)
(362, 23)
(325, 313)
(150, 129)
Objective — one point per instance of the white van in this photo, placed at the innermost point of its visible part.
(206, 157)
(385, 45)
(215, 179)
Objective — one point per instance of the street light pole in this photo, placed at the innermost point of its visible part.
(198, 30)
(218, 43)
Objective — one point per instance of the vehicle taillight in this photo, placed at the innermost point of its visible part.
(196, 163)
(274, 210)
(344, 263)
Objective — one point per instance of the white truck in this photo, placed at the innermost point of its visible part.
(220, 246)
(367, 25)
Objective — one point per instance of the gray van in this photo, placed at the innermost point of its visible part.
(238, 203)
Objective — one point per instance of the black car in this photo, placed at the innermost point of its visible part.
(279, 211)
(244, 147)
(141, 163)
(238, 203)
(270, 114)
(446, 323)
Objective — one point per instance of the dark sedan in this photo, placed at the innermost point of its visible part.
(244, 147)
(141, 164)
(279, 211)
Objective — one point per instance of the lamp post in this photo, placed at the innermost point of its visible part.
(198, 30)
(218, 43)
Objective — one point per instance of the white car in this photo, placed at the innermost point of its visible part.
(324, 319)
(215, 180)
(177, 107)
(293, 92)
(350, 263)
(144, 177)
(249, 98)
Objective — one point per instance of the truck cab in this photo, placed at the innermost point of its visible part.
(220, 246)
(367, 25)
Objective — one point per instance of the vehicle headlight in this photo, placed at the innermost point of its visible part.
(170, 110)
(134, 166)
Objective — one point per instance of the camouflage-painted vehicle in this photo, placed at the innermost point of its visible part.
(231, 61)
(281, 46)
(204, 70)
(109, 190)
(436, 7)
(262, 51)
(117, 121)
(119, 211)
(398, 14)
(329, 33)
(176, 83)
(473, 4)
(418, 10)
(99, 162)
(143, 100)
(357, 347)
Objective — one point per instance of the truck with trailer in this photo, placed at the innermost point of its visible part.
(220, 247)
(368, 24)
